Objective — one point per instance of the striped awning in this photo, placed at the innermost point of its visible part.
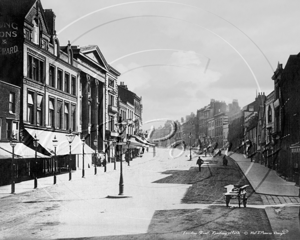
(20, 151)
(63, 148)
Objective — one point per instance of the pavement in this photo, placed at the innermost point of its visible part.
(27, 186)
(265, 180)
(133, 215)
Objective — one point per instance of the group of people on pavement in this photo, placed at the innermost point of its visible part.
(200, 161)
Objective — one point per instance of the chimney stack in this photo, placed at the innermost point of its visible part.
(50, 19)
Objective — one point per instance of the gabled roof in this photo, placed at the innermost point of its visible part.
(93, 52)
(19, 9)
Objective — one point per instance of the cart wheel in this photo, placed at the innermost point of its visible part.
(227, 199)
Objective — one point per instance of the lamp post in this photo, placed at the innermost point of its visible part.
(114, 143)
(121, 128)
(13, 143)
(190, 137)
(70, 137)
(54, 142)
(83, 143)
(96, 146)
(35, 144)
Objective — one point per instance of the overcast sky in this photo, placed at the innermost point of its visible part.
(182, 53)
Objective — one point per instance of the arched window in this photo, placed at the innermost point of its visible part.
(269, 114)
(35, 31)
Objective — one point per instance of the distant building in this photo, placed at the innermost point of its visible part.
(213, 121)
(269, 124)
(251, 116)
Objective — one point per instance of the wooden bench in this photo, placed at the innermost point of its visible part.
(236, 192)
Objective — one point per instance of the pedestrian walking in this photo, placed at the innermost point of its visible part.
(199, 163)
(127, 158)
(104, 163)
(205, 151)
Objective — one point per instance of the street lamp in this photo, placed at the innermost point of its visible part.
(70, 137)
(121, 128)
(190, 137)
(96, 146)
(114, 143)
(83, 143)
(35, 144)
(13, 143)
(55, 143)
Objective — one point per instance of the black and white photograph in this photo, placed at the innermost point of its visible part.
(149, 119)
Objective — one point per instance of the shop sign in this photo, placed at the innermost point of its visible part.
(8, 37)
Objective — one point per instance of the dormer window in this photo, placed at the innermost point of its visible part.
(35, 31)
(27, 34)
(45, 44)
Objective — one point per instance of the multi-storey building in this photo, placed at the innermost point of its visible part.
(286, 138)
(252, 112)
(49, 82)
(211, 128)
(267, 130)
(220, 128)
(97, 96)
(10, 111)
(9, 125)
(211, 116)
(138, 109)
(131, 108)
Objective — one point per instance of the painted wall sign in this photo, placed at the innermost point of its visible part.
(8, 37)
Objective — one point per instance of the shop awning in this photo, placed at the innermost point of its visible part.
(20, 151)
(46, 137)
(142, 141)
(133, 145)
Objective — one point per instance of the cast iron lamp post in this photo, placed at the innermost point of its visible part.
(70, 137)
(96, 146)
(121, 183)
(35, 144)
(114, 144)
(83, 143)
(55, 143)
(13, 143)
(121, 128)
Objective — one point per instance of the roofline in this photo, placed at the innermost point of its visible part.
(114, 71)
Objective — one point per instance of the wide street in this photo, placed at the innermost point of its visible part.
(166, 198)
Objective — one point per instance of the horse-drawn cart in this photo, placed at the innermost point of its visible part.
(236, 192)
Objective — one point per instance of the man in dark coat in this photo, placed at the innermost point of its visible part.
(199, 163)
